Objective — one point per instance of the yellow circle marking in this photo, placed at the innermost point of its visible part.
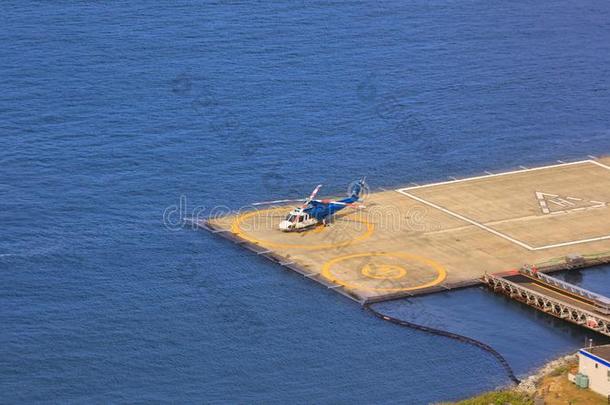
(384, 272)
(236, 229)
(440, 270)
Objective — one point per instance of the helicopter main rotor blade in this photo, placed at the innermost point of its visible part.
(277, 202)
(354, 205)
(312, 196)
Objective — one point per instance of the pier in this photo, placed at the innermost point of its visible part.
(555, 297)
(435, 237)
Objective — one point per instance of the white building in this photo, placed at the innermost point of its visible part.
(594, 362)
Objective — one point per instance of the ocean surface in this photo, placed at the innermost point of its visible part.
(112, 113)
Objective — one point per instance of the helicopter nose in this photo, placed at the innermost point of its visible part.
(285, 226)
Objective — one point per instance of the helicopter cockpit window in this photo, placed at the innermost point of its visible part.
(290, 218)
(301, 218)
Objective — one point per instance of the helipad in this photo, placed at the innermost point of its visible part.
(424, 238)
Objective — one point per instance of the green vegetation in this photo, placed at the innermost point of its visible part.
(498, 398)
(560, 371)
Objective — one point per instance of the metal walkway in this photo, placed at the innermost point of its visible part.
(555, 297)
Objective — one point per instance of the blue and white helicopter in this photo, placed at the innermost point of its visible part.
(314, 212)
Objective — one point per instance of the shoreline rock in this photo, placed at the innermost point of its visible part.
(530, 384)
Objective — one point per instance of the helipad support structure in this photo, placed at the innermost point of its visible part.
(438, 236)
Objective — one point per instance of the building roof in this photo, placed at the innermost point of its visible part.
(603, 352)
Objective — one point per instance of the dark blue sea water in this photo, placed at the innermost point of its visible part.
(111, 111)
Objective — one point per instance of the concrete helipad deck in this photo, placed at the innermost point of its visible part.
(411, 240)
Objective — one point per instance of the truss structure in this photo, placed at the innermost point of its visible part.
(550, 305)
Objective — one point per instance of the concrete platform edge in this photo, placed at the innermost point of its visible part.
(565, 264)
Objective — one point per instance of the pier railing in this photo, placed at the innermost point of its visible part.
(550, 305)
(564, 285)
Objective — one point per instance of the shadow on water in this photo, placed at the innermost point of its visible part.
(111, 112)
(525, 337)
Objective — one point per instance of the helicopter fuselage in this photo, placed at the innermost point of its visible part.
(316, 213)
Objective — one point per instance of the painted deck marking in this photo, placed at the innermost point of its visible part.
(391, 276)
(405, 192)
(547, 201)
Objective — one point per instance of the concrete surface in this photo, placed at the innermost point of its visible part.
(411, 240)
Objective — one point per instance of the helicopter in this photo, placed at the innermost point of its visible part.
(314, 212)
